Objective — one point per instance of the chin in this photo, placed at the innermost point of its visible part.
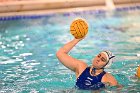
(95, 66)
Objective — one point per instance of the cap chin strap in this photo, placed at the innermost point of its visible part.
(94, 70)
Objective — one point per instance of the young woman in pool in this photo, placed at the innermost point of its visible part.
(93, 77)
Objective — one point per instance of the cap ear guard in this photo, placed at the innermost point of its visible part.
(110, 61)
(111, 57)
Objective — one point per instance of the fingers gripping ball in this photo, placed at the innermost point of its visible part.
(79, 28)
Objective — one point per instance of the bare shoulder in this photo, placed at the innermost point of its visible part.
(82, 63)
(110, 79)
(109, 75)
(81, 67)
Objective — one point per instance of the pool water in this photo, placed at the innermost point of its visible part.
(28, 63)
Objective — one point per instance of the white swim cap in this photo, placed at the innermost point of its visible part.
(110, 57)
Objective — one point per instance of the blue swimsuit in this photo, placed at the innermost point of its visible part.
(88, 82)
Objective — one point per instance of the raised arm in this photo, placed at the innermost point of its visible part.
(65, 59)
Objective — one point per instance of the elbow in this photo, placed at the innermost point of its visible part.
(59, 53)
(119, 86)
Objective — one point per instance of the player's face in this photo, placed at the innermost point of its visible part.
(100, 60)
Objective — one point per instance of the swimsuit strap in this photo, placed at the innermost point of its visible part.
(94, 70)
(99, 75)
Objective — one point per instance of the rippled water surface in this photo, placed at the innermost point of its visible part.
(28, 46)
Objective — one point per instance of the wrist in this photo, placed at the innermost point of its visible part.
(77, 40)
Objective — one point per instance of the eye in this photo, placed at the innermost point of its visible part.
(99, 55)
(103, 59)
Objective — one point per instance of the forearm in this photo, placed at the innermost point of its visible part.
(67, 47)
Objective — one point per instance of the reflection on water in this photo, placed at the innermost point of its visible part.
(28, 47)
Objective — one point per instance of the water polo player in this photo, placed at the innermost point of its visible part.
(88, 77)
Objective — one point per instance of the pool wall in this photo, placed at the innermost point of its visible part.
(27, 7)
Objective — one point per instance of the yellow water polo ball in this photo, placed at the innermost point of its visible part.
(79, 28)
(138, 72)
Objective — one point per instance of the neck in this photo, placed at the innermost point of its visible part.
(97, 70)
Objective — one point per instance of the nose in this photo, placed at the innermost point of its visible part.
(98, 60)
